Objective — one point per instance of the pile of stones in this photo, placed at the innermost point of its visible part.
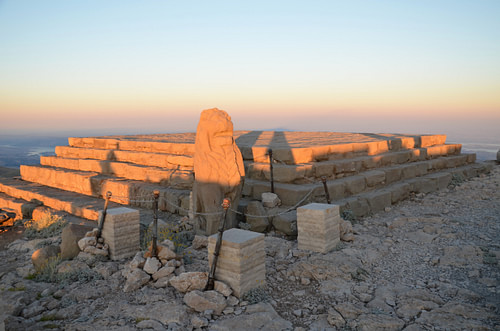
(93, 244)
(167, 269)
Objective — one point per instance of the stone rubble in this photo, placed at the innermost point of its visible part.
(428, 263)
(93, 245)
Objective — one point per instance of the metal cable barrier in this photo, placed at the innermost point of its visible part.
(151, 198)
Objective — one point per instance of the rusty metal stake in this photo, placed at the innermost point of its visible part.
(211, 275)
(270, 151)
(323, 179)
(103, 215)
(154, 249)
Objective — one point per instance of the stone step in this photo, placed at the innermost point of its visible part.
(90, 182)
(36, 210)
(23, 197)
(161, 160)
(22, 208)
(377, 200)
(304, 173)
(320, 146)
(181, 178)
(37, 194)
(134, 143)
(124, 191)
(291, 194)
(288, 148)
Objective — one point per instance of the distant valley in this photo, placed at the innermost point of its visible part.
(17, 150)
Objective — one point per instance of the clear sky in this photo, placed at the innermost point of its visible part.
(153, 66)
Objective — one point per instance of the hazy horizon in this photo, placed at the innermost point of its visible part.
(465, 130)
(107, 68)
(354, 66)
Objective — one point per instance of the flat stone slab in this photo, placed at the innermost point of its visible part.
(237, 238)
(289, 147)
(292, 139)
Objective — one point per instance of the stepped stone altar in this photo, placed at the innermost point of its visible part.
(364, 172)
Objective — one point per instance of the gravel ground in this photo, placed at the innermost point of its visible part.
(428, 263)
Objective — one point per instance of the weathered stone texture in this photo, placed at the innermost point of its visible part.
(318, 227)
(70, 236)
(121, 231)
(241, 262)
(219, 170)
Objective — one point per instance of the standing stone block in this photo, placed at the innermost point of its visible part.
(121, 231)
(242, 260)
(318, 227)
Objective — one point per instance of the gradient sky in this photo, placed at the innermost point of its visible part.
(153, 66)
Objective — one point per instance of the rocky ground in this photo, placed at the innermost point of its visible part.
(429, 263)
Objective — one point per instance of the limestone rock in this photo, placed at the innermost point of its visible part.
(218, 168)
(92, 233)
(71, 266)
(96, 251)
(286, 223)
(106, 269)
(70, 236)
(199, 322)
(150, 325)
(163, 272)
(277, 247)
(163, 281)
(232, 301)
(411, 308)
(222, 288)
(165, 254)
(165, 312)
(270, 200)
(138, 261)
(189, 281)
(346, 233)
(368, 322)
(199, 242)
(86, 242)
(151, 265)
(260, 316)
(42, 255)
(260, 223)
(33, 310)
(209, 300)
(25, 270)
(135, 279)
(336, 288)
(461, 255)
(335, 319)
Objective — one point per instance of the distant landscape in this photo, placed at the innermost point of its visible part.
(16, 150)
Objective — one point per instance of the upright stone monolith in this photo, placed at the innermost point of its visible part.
(218, 170)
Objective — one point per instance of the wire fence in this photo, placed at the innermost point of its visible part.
(196, 213)
(150, 199)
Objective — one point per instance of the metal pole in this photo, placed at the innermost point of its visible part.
(154, 250)
(211, 276)
(271, 169)
(323, 179)
(103, 215)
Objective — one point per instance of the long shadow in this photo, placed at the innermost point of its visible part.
(395, 142)
(246, 142)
